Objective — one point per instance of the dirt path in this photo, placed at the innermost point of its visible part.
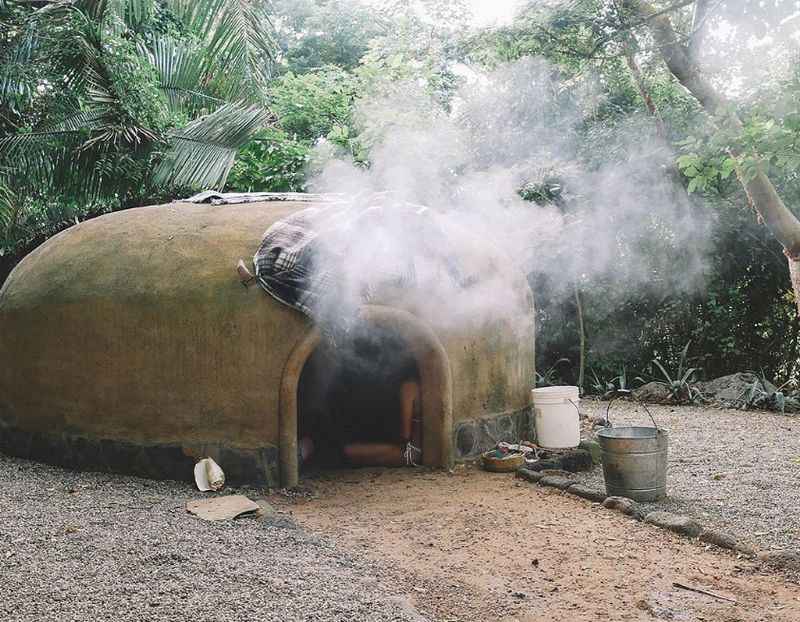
(476, 546)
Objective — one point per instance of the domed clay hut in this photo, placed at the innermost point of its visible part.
(128, 344)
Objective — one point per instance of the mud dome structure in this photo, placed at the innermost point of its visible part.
(128, 344)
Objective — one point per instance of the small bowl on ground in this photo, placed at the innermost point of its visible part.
(505, 464)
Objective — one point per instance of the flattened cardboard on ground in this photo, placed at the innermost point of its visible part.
(222, 508)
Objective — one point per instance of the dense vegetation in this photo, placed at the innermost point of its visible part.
(108, 104)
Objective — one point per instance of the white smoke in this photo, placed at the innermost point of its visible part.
(515, 125)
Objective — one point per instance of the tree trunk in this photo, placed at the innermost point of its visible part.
(636, 74)
(794, 272)
(760, 190)
(582, 335)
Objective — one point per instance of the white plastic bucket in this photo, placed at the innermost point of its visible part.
(555, 415)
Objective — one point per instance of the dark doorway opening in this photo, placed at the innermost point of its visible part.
(358, 402)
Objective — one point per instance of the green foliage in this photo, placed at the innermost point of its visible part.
(109, 110)
(111, 103)
(314, 34)
(744, 316)
(418, 49)
(546, 191)
(273, 161)
(309, 107)
(312, 105)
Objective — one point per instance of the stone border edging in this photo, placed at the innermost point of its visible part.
(676, 523)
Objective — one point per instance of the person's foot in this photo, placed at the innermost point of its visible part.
(306, 449)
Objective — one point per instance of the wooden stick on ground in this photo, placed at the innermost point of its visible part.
(699, 591)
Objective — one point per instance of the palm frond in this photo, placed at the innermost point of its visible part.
(180, 70)
(30, 156)
(238, 35)
(10, 211)
(198, 17)
(78, 121)
(243, 41)
(95, 9)
(118, 13)
(74, 157)
(15, 64)
(203, 152)
(138, 12)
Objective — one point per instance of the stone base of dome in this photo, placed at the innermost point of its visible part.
(258, 466)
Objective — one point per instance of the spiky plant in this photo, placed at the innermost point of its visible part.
(679, 383)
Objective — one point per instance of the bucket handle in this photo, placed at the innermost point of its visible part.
(622, 393)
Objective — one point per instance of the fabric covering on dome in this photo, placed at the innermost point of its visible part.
(309, 260)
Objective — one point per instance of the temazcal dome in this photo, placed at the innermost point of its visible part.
(128, 344)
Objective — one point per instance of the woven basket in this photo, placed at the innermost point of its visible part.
(509, 463)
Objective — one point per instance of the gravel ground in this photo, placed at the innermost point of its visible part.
(88, 546)
(732, 469)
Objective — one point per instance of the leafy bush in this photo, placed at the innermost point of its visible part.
(311, 105)
(272, 162)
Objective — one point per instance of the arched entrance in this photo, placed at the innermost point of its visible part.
(435, 388)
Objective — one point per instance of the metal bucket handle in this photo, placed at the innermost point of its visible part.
(621, 393)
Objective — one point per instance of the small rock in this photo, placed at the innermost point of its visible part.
(527, 474)
(652, 393)
(788, 559)
(621, 504)
(576, 460)
(556, 481)
(265, 510)
(731, 389)
(720, 539)
(544, 465)
(579, 490)
(678, 523)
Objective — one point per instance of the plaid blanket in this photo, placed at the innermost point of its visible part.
(327, 261)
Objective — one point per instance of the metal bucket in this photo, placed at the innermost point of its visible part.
(635, 461)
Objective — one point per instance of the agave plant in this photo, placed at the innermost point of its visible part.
(134, 105)
(679, 383)
(551, 375)
(607, 386)
(760, 393)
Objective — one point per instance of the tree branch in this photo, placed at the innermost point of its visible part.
(783, 224)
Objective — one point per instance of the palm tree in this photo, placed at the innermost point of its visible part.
(118, 100)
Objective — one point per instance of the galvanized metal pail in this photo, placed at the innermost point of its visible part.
(635, 462)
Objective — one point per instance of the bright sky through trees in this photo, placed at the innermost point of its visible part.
(484, 12)
(489, 12)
